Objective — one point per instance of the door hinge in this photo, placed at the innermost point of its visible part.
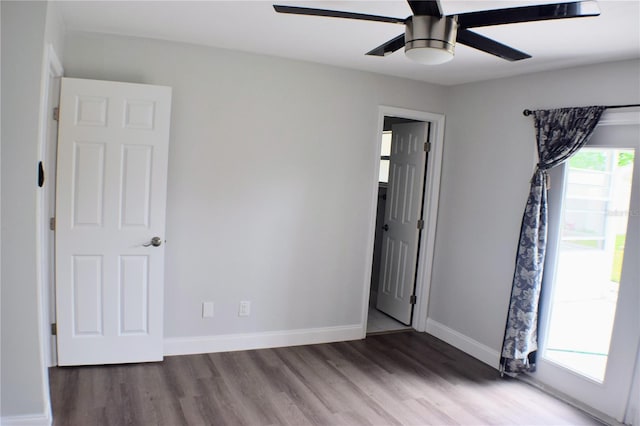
(56, 113)
(54, 329)
(413, 299)
(427, 146)
(52, 223)
(420, 224)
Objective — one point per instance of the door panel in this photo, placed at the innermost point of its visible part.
(88, 184)
(403, 209)
(134, 289)
(111, 196)
(136, 186)
(87, 295)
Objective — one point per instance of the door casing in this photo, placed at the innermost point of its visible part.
(52, 69)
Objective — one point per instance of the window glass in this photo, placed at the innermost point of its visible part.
(386, 144)
(385, 152)
(384, 171)
(593, 234)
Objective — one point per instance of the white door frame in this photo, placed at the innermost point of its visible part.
(430, 207)
(52, 68)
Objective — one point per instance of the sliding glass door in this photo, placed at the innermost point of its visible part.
(590, 320)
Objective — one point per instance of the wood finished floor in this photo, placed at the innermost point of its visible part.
(394, 379)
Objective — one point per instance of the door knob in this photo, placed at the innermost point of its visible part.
(385, 227)
(155, 241)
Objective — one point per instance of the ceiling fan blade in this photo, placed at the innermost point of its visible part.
(541, 12)
(425, 7)
(485, 44)
(388, 47)
(335, 14)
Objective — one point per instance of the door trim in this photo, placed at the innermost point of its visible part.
(427, 240)
(51, 68)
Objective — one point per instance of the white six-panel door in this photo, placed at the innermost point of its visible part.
(402, 212)
(110, 202)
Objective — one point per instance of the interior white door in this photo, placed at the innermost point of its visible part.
(111, 193)
(402, 212)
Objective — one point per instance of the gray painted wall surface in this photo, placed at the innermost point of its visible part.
(27, 29)
(271, 170)
(489, 159)
(23, 28)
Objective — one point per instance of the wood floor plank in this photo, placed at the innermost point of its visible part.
(291, 414)
(327, 386)
(383, 394)
(394, 379)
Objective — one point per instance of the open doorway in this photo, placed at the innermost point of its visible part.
(404, 231)
(415, 295)
(399, 215)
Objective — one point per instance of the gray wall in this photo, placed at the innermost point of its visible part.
(23, 27)
(27, 28)
(271, 170)
(488, 161)
(377, 247)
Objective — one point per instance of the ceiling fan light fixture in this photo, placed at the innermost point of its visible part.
(430, 40)
(429, 55)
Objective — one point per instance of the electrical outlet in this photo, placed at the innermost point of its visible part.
(244, 310)
(207, 309)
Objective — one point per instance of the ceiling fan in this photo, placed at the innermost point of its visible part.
(430, 37)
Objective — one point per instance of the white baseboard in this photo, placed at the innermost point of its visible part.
(464, 343)
(270, 339)
(26, 420)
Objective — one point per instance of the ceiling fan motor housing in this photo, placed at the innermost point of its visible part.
(423, 31)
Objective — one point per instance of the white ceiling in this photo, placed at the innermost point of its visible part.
(253, 26)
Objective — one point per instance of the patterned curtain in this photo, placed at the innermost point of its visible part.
(560, 133)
